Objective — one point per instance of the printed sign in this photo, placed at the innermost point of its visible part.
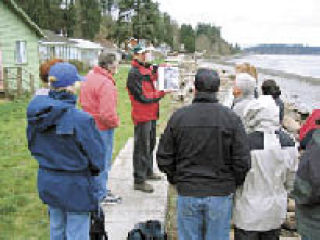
(168, 78)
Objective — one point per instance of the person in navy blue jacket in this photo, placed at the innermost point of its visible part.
(69, 150)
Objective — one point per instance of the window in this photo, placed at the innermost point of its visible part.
(21, 52)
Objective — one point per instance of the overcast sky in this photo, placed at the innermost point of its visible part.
(253, 21)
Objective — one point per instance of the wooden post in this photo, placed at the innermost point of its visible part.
(32, 88)
(19, 81)
(6, 82)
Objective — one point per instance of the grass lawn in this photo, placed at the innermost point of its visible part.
(22, 214)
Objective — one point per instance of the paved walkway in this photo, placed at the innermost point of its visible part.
(136, 206)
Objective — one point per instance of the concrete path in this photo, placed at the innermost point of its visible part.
(136, 206)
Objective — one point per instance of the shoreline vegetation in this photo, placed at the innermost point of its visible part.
(22, 214)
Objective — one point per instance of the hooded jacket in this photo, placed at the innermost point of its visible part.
(261, 203)
(98, 97)
(69, 150)
(204, 149)
(307, 188)
(143, 94)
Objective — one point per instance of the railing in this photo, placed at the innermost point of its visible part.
(16, 80)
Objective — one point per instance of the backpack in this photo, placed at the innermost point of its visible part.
(307, 184)
(149, 230)
(97, 228)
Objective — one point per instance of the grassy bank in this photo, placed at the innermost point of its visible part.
(22, 214)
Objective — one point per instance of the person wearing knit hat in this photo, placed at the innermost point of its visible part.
(69, 151)
(243, 91)
(204, 152)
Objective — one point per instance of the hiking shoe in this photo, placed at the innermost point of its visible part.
(111, 199)
(154, 177)
(144, 187)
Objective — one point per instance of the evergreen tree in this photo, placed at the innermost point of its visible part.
(187, 37)
(90, 18)
(49, 14)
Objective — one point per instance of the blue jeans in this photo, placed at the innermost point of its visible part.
(69, 225)
(204, 218)
(305, 238)
(102, 179)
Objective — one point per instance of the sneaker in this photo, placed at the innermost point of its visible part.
(154, 177)
(111, 199)
(144, 187)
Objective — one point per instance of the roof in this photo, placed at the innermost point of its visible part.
(52, 38)
(14, 7)
(86, 44)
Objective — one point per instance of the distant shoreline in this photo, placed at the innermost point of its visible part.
(272, 72)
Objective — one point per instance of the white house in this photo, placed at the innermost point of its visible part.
(87, 51)
(57, 46)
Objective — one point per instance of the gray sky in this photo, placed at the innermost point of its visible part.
(253, 21)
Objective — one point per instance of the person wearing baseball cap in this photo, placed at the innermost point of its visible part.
(69, 150)
(205, 152)
(145, 100)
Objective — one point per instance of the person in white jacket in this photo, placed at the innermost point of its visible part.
(261, 202)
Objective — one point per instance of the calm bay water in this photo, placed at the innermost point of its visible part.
(297, 75)
(304, 65)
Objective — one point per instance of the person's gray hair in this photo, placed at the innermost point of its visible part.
(245, 83)
(106, 59)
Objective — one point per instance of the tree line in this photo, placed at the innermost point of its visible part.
(142, 19)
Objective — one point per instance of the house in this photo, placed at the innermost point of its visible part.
(87, 51)
(57, 46)
(19, 38)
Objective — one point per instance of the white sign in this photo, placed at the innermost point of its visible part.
(168, 78)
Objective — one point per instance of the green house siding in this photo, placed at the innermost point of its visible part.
(12, 29)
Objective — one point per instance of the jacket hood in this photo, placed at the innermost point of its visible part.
(262, 115)
(46, 111)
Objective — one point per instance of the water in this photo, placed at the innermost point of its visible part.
(303, 65)
(297, 75)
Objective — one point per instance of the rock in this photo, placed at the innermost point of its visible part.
(290, 222)
(291, 205)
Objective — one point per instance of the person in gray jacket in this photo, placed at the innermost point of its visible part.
(261, 203)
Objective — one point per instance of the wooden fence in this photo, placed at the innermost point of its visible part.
(17, 82)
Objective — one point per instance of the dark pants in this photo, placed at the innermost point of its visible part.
(144, 143)
(240, 234)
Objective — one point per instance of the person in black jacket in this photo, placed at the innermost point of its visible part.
(270, 87)
(205, 152)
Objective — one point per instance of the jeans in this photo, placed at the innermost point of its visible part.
(204, 218)
(144, 143)
(102, 179)
(69, 225)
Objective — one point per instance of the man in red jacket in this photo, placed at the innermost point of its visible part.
(145, 111)
(98, 97)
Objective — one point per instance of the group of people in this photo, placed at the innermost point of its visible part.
(240, 163)
(74, 147)
(224, 162)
